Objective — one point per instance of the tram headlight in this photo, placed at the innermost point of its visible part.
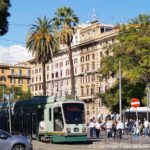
(68, 130)
(83, 129)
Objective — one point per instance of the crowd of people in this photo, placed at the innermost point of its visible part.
(114, 127)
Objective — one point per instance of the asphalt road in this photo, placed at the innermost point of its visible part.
(98, 144)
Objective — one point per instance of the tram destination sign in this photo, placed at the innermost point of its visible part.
(135, 102)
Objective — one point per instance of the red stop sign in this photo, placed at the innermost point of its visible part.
(135, 102)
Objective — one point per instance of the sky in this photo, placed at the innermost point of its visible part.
(25, 12)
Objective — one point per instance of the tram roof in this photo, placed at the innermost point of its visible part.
(37, 100)
(139, 109)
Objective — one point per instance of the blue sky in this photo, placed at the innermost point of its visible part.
(25, 12)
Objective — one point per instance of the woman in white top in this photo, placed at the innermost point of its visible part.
(97, 128)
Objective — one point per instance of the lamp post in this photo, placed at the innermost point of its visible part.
(8, 97)
(148, 99)
(9, 113)
(120, 96)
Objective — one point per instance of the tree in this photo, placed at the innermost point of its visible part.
(65, 20)
(17, 92)
(42, 44)
(4, 14)
(133, 50)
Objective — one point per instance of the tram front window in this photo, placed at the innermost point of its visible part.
(74, 113)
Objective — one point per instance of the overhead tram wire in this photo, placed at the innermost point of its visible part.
(13, 41)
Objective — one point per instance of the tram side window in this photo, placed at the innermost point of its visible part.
(50, 114)
(40, 114)
(58, 119)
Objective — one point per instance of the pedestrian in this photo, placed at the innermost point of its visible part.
(91, 126)
(97, 128)
(146, 124)
(109, 128)
(120, 128)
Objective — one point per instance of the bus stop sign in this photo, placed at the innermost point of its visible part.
(135, 103)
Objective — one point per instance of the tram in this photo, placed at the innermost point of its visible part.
(142, 113)
(60, 119)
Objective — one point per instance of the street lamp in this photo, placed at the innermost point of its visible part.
(120, 89)
(148, 99)
(8, 97)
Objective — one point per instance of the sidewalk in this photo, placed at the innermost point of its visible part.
(125, 143)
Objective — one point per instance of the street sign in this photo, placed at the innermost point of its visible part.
(135, 102)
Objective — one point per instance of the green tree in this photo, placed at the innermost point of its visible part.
(17, 92)
(133, 50)
(65, 20)
(4, 14)
(41, 43)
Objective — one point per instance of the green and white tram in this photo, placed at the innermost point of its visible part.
(59, 119)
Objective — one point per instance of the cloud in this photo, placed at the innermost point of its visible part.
(14, 54)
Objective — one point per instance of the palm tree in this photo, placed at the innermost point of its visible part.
(42, 44)
(65, 20)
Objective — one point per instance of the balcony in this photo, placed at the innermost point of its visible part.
(15, 76)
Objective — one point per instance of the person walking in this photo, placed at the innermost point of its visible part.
(146, 124)
(109, 128)
(120, 128)
(97, 128)
(91, 126)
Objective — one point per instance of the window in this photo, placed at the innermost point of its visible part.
(20, 81)
(58, 119)
(3, 71)
(82, 91)
(52, 75)
(47, 76)
(28, 81)
(56, 65)
(56, 74)
(36, 78)
(40, 78)
(28, 72)
(36, 88)
(87, 67)
(87, 57)
(93, 56)
(93, 77)
(40, 69)
(61, 64)
(32, 79)
(87, 90)
(101, 54)
(50, 114)
(36, 70)
(75, 60)
(82, 68)
(82, 59)
(32, 71)
(47, 68)
(12, 71)
(93, 65)
(20, 72)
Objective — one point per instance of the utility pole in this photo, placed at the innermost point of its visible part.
(148, 99)
(120, 98)
(9, 112)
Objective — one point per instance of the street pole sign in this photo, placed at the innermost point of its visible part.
(135, 102)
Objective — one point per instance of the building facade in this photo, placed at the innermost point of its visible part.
(15, 75)
(87, 51)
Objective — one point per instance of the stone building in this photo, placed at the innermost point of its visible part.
(15, 75)
(87, 51)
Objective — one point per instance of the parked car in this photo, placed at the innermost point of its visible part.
(14, 142)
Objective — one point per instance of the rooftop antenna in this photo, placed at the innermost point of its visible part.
(88, 18)
(94, 17)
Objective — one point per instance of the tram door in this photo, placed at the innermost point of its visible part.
(33, 125)
(58, 119)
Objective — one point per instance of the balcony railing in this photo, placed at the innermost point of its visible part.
(15, 76)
